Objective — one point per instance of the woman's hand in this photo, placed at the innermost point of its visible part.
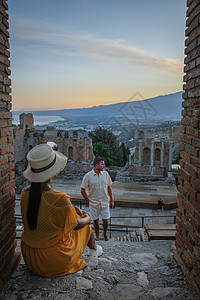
(85, 220)
(87, 216)
(78, 211)
(81, 212)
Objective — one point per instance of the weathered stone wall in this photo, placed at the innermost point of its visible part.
(26, 121)
(153, 155)
(19, 150)
(188, 213)
(75, 144)
(75, 171)
(8, 258)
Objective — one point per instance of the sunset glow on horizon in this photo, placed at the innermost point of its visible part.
(94, 53)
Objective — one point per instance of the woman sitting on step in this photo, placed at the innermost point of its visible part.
(55, 233)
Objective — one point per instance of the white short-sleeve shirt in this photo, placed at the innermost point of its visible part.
(97, 188)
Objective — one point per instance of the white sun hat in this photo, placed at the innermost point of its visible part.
(44, 163)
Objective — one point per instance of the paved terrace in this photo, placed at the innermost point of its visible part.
(133, 201)
(137, 195)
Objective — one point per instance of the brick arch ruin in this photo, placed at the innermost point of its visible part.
(187, 246)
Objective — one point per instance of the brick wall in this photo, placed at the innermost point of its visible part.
(8, 258)
(187, 250)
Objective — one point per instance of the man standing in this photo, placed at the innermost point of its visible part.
(100, 199)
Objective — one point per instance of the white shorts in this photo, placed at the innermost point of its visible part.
(96, 212)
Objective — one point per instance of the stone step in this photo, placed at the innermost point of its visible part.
(134, 236)
(161, 231)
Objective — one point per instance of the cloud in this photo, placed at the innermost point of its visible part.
(72, 43)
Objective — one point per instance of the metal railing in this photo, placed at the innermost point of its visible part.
(77, 202)
(127, 228)
(114, 227)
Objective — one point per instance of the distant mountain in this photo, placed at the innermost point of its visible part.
(161, 108)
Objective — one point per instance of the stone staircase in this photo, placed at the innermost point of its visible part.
(149, 233)
(138, 235)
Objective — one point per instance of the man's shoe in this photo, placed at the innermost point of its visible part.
(106, 238)
(96, 253)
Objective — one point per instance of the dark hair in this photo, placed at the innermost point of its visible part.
(34, 204)
(97, 160)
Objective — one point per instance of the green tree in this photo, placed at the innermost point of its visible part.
(176, 158)
(125, 152)
(176, 154)
(118, 156)
(104, 151)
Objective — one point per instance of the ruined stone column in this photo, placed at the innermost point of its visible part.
(140, 153)
(152, 152)
(170, 159)
(129, 160)
(162, 153)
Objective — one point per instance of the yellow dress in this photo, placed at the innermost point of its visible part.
(53, 249)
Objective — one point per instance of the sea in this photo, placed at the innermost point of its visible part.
(39, 120)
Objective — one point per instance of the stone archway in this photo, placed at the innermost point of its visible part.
(157, 157)
(70, 153)
(146, 156)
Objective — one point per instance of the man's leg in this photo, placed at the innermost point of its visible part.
(105, 214)
(96, 228)
(105, 228)
(94, 212)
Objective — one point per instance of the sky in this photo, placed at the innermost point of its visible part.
(83, 53)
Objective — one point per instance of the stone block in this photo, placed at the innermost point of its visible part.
(83, 284)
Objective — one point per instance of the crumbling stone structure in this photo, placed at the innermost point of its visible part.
(153, 151)
(187, 250)
(8, 258)
(75, 144)
(26, 121)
